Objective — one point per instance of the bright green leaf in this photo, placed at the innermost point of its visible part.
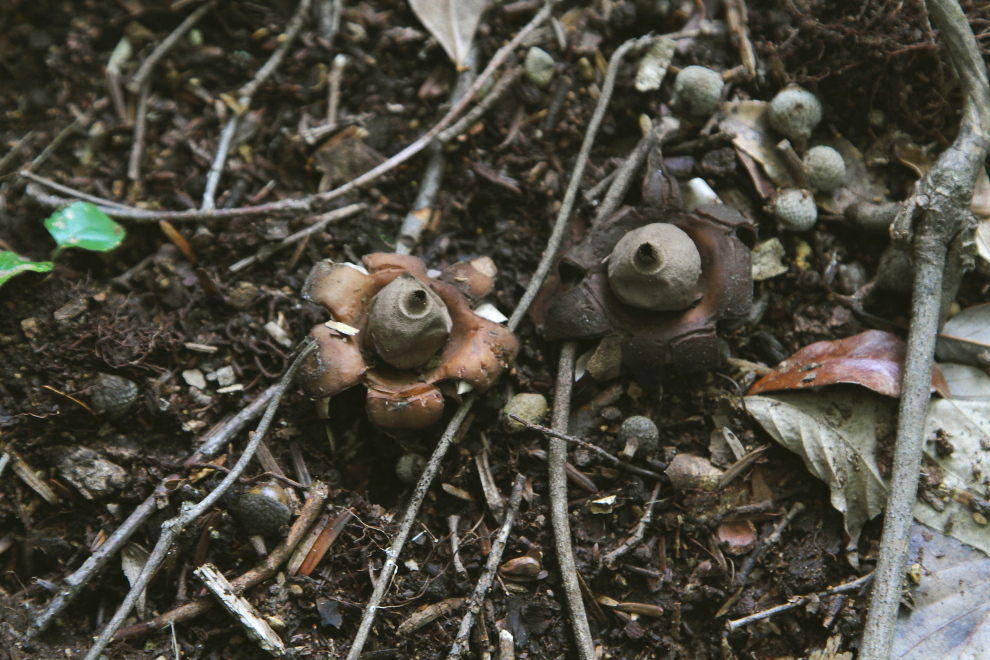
(82, 225)
(11, 264)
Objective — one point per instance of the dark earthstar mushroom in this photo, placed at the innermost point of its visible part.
(586, 307)
(403, 394)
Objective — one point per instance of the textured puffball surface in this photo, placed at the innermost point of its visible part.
(697, 91)
(825, 167)
(795, 210)
(795, 112)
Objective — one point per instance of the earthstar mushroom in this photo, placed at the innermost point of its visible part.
(404, 335)
(586, 305)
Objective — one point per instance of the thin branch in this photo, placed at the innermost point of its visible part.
(936, 213)
(626, 172)
(633, 540)
(75, 583)
(615, 460)
(405, 528)
(767, 543)
(137, 142)
(266, 569)
(321, 221)
(557, 235)
(136, 82)
(246, 95)
(491, 565)
(212, 442)
(854, 585)
(477, 112)
(172, 528)
(124, 212)
(558, 504)
(424, 140)
(429, 186)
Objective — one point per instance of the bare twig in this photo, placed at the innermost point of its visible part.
(238, 606)
(408, 520)
(424, 140)
(486, 577)
(266, 569)
(934, 216)
(477, 112)
(245, 95)
(137, 142)
(172, 528)
(558, 504)
(124, 212)
(854, 585)
(214, 440)
(90, 568)
(631, 165)
(455, 543)
(333, 87)
(136, 82)
(9, 157)
(633, 539)
(615, 460)
(429, 187)
(737, 15)
(557, 235)
(319, 223)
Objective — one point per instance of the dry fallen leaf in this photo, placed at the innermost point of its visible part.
(950, 617)
(835, 434)
(838, 432)
(747, 121)
(872, 359)
(966, 337)
(452, 23)
(966, 382)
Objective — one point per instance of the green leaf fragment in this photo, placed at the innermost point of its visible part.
(11, 264)
(82, 225)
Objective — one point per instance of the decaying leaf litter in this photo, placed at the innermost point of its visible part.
(200, 342)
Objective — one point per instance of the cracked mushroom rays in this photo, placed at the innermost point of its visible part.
(408, 337)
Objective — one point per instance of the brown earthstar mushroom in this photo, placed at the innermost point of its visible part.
(403, 334)
(657, 328)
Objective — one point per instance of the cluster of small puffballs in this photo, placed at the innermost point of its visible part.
(794, 113)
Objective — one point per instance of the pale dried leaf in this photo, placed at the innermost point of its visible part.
(950, 618)
(966, 337)
(132, 560)
(767, 260)
(835, 434)
(452, 23)
(966, 426)
(653, 67)
(747, 121)
(966, 383)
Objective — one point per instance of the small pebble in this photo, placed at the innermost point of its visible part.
(539, 67)
(528, 406)
(112, 395)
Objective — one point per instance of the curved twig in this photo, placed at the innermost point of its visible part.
(934, 216)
